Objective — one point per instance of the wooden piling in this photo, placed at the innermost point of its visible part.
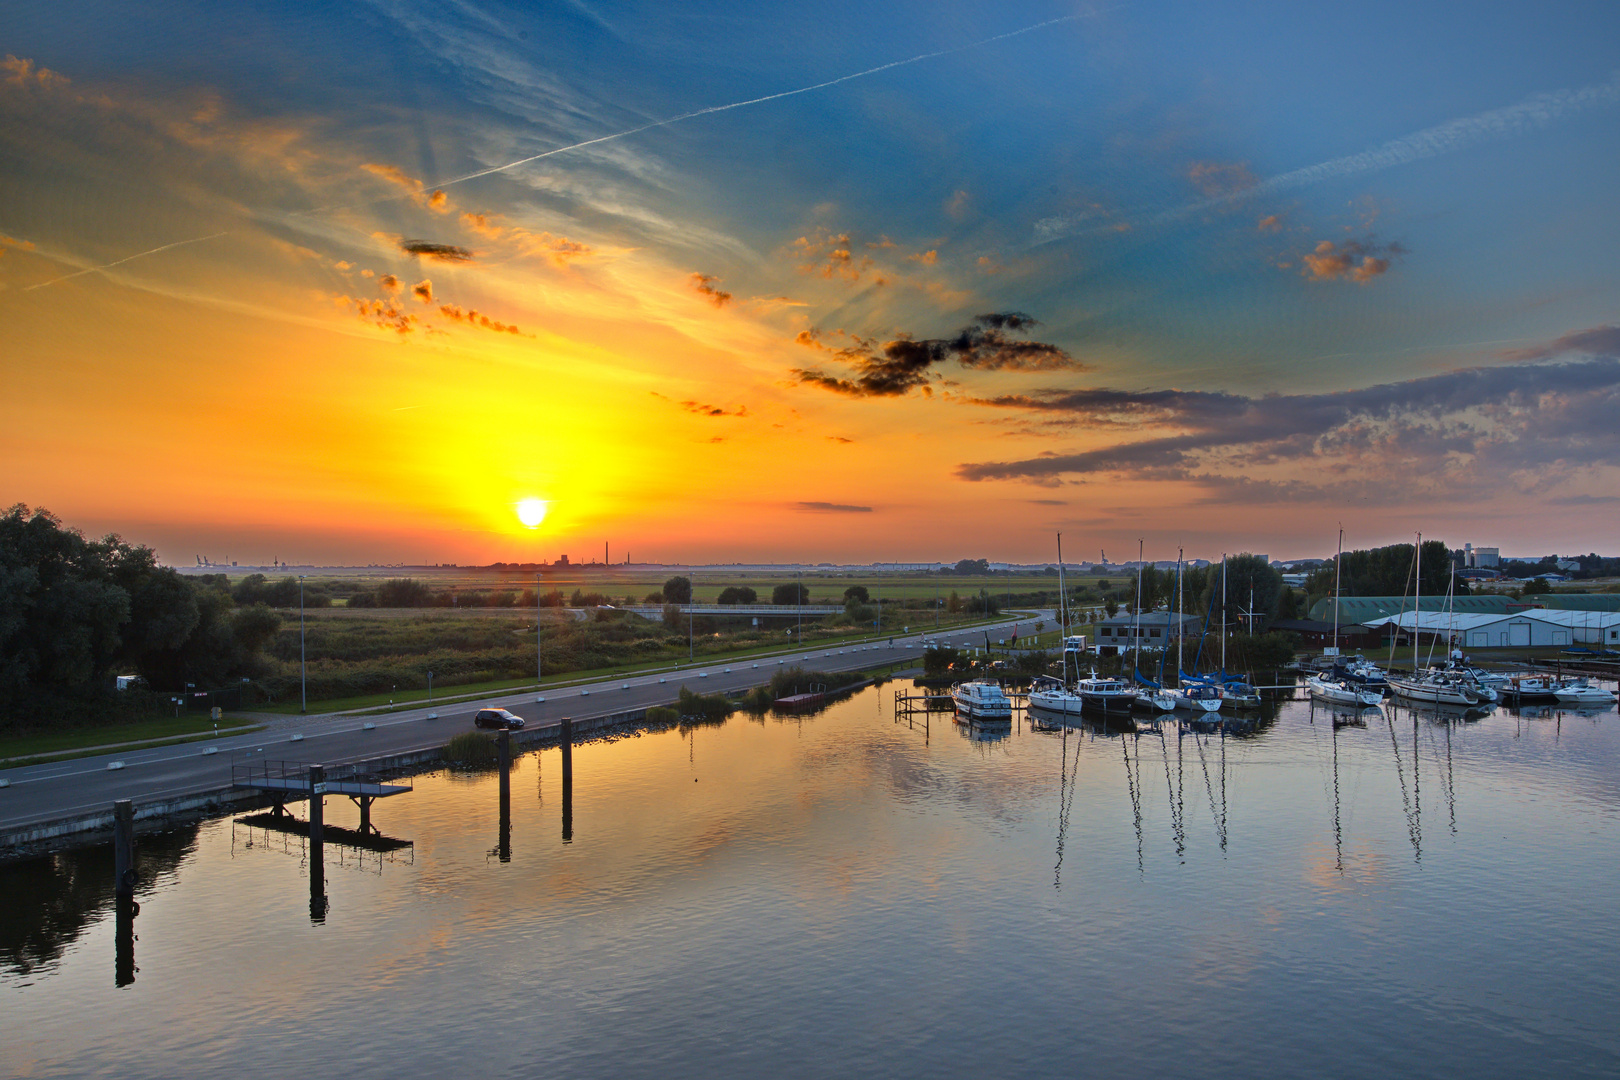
(317, 843)
(503, 744)
(568, 779)
(124, 848)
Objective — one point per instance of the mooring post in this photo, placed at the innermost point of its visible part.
(503, 743)
(317, 843)
(124, 910)
(124, 847)
(568, 779)
(364, 802)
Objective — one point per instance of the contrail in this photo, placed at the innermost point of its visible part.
(644, 127)
(125, 259)
(769, 97)
(1531, 114)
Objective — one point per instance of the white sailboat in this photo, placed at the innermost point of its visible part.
(1059, 699)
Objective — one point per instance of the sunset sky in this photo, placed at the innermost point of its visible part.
(346, 283)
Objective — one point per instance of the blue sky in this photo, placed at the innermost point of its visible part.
(1236, 200)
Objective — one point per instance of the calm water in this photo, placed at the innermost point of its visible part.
(851, 895)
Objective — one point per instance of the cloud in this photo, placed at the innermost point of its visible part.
(927, 258)
(828, 255)
(834, 508)
(1354, 260)
(957, 206)
(1462, 434)
(707, 285)
(386, 314)
(905, 363)
(699, 408)
(389, 283)
(1269, 224)
(839, 439)
(474, 318)
(423, 291)
(435, 200)
(16, 71)
(1217, 179)
(1048, 502)
(1597, 341)
(445, 253)
(558, 250)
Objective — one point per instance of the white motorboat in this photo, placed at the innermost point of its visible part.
(982, 699)
(1335, 692)
(1155, 698)
(1052, 696)
(1529, 689)
(1438, 688)
(1581, 692)
(1114, 695)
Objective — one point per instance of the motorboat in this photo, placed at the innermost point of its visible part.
(1155, 698)
(1338, 692)
(1238, 694)
(1530, 689)
(1105, 693)
(1438, 687)
(1582, 692)
(1052, 696)
(981, 699)
(1360, 671)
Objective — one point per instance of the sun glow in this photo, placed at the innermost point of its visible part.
(532, 512)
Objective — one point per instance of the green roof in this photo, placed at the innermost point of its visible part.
(1359, 609)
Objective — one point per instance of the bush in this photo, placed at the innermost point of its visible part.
(471, 748)
(738, 594)
(941, 659)
(703, 706)
(662, 714)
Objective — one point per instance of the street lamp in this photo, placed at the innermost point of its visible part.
(430, 689)
(303, 667)
(538, 671)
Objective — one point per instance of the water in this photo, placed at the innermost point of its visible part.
(851, 895)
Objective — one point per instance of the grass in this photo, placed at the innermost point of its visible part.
(18, 750)
(448, 694)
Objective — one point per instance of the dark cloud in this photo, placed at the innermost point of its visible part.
(1598, 341)
(423, 291)
(1354, 260)
(701, 409)
(1524, 425)
(901, 365)
(475, 318)
(834, 508)
(839, 439)
(708, 285)
(445, 253)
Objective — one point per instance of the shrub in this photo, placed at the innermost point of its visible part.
(662, 714)
(703, 706)
(790, 593)
(471, 748)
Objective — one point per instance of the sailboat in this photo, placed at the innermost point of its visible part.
(1043, 694)
(1436, 687)
(1329, 688)
(1202, 693)
(1150, 695)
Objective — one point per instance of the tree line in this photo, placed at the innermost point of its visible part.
(75, 612)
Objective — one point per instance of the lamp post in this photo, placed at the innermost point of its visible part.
(303, 667)
(538, 666)
(799, 596)
(430, 689)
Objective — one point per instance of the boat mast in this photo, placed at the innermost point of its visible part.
(1063, 615)
(1181, 660)
(1337, 559)
(1223, 615)
(1417, 603)
(1136, 630)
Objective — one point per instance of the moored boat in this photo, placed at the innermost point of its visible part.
(1112, 695)
(1336, 692)
(1438, 688)
(1581, 692)
(1052, 696)
(981, 699)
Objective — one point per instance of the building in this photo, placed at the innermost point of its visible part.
(1316, 634)
(1531, 628)
(1155, 629)
(1484, 558)
(1363, 609)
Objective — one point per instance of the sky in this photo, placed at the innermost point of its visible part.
(346, 283)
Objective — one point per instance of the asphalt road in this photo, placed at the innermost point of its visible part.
(57, 790)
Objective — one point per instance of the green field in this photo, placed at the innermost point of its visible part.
(21, 749)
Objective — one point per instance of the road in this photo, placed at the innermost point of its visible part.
(64, 789)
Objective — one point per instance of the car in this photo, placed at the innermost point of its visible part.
(497, 718)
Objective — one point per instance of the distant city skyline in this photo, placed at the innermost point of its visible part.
(408, 282)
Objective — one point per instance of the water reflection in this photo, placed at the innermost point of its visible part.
(47, 902)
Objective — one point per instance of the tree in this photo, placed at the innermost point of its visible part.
(858, 594)
(940, 659)
(973, 566)
(790, 593)
(738, 594)
(1246, 576)
(678, 590)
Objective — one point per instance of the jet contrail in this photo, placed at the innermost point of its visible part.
(768, 97)
(644, 127)
(125, 259)
(1533, 113)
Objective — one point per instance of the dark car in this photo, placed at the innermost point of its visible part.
(497, 718)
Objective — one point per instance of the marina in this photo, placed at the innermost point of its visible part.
(1298, 862)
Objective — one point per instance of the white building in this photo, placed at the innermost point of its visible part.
(1531, 628)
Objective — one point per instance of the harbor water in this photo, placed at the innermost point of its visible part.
(861, 893)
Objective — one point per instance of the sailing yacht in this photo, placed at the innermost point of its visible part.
(1046, 693)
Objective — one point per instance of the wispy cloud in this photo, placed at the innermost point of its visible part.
(834, 508)
(709, 286)
(434, 252)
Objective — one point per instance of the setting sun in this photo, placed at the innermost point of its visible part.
(531, 512)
